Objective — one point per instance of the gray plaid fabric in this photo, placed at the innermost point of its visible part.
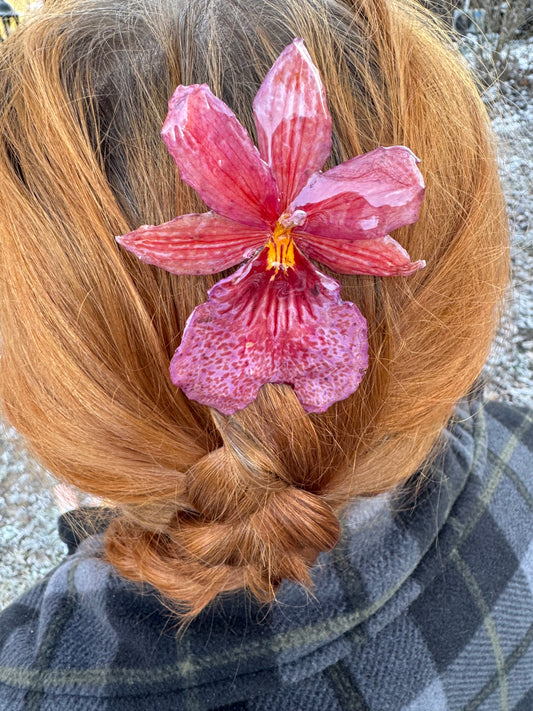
(425, 605)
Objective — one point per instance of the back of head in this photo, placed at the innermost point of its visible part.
(210, 503)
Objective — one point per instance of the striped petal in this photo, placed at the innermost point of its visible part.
(363, 198)
(293, 122)
(195, 244)
(382, 256)
(217, 158)
(259, 326)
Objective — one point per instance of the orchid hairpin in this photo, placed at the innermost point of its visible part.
(277, 319)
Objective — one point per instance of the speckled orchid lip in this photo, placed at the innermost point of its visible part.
(277, 319)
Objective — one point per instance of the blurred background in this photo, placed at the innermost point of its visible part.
(496, 39)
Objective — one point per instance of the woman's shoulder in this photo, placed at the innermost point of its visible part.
(77, 585)
(62, 637)
(450, 575)
(474, 613)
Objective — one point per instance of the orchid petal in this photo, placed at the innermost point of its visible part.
(292, 119)
(260, 327)
(382, 256)
(217, 158)
(363, 198)
(194, 244)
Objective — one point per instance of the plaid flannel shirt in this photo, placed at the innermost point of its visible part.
(426, 604)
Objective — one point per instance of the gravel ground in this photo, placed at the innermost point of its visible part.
(29, 545)
(510, 366)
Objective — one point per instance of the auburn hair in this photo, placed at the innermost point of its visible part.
(208, 503)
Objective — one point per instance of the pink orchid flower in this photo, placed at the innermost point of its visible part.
(277, 319)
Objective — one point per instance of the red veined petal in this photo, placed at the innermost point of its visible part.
(195, 244)
(365, 197)
(216, 157)
(261, 327)
(382, 256)
(293, 122)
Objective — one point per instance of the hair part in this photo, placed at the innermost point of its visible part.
(212, 503)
